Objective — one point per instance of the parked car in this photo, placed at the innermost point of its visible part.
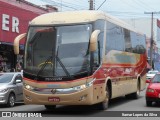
(153, 90)
(151, 74)
(11, 88)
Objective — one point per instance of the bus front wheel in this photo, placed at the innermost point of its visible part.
(104, 105)
(50, 107)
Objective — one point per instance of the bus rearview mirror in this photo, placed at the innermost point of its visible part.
(16, 42)
(93, 40)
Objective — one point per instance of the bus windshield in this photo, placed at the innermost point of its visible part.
(57, 51)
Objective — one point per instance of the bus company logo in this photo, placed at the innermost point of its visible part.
(53, 91)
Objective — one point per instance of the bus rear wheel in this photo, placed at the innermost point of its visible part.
(50, 107)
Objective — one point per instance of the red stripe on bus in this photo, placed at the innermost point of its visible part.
(99, 82)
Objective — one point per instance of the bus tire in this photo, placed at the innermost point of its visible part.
(136, 94)
(50, 107)
(104, 105)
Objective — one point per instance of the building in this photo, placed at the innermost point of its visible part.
(14, 18)
(144, 26)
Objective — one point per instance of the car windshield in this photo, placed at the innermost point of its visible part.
(5, 78)
(152, 72)
(156, 79)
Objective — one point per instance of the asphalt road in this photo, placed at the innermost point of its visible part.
(118, 104)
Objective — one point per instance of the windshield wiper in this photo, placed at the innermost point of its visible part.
(61, 64)
(44, 65)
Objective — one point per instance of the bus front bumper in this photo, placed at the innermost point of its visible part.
(83, 97)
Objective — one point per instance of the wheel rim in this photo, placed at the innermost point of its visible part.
(106, 100)
(12, 101)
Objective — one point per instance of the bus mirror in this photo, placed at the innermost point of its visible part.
(16, 42)
(93, 40)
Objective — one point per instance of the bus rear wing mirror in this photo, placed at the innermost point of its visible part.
(93, 40)
(16, 42)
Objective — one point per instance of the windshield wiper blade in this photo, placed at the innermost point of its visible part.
(60, 62)
(44, 65)
(63, 67)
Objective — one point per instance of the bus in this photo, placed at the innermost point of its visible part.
(81, 58)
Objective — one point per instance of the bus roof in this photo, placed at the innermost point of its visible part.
(68, 17)
(83, 16)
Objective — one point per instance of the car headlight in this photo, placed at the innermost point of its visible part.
(4, 90)
(150, 90)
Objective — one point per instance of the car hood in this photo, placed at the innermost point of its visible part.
(151, 75)
(3, 85)
(154, 86)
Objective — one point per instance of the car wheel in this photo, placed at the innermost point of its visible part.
(11, 100)
(50, 107)
(148, 103)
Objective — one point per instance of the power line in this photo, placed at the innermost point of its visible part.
(101, 4)
(73, 4)
(127, 14)
(146, 5)
(133, 5)
(58, 4)
(141, 5)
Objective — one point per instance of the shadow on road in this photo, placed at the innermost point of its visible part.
(85, 110)
(71, 110)
(16, 105)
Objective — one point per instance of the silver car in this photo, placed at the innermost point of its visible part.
(11, 88)
(151, 74)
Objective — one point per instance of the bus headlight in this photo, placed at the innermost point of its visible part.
(84, 86)
(59, 90)
(28, 87)
(78, 88)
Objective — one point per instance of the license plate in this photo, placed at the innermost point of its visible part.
(53, 99)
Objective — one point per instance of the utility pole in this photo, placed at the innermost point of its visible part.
(91, 4)
(151, 39)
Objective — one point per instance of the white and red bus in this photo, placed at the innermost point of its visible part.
(81, 58)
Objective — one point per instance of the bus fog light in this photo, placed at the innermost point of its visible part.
(82, 98)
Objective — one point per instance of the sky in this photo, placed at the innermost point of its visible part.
(118, 8)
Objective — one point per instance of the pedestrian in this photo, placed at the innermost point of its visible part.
(18, 67)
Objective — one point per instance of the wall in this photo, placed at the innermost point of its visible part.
(14, 20)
